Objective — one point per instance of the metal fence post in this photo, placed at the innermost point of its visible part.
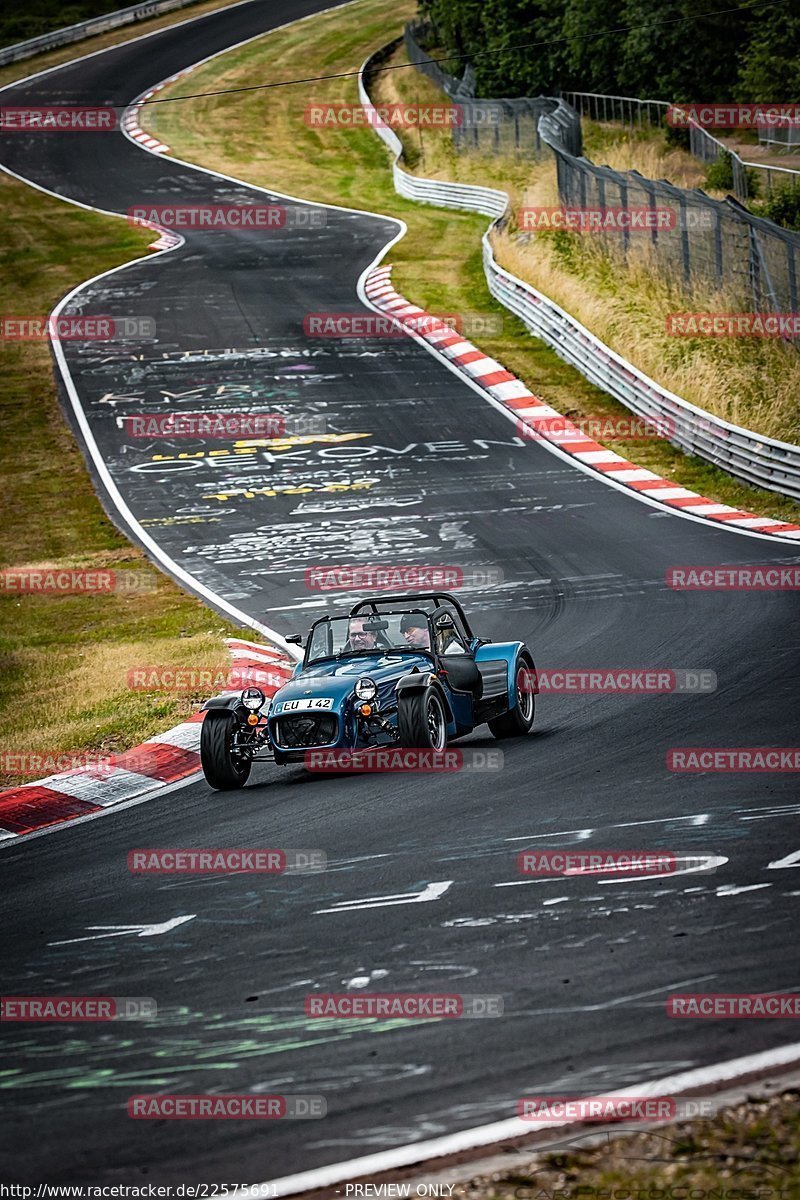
(791, 271)
(685, 245)
(623, 199)
(718, 252)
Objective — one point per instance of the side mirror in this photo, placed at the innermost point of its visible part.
(294, 639)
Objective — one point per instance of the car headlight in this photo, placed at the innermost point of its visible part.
(253, 698)
(366, 689)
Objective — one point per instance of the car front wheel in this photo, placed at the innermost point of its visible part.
(421, 721)
(222, 767)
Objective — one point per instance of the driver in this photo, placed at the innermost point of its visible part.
(414, 628)
(359, 638)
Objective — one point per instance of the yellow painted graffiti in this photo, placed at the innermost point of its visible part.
(357, 485)
(275, 445)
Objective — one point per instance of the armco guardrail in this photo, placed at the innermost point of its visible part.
(761, 461)
(84, 29)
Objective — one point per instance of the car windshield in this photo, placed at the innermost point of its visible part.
(368, 634)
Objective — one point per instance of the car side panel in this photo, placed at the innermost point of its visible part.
(495, 661)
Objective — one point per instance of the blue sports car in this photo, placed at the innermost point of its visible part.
(396, 671)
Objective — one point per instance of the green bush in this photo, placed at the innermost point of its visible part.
(720, 176)
(781, 206)
(677, 137)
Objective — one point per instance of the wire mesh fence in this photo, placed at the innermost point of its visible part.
(709, 245)
(626, 110)
(491, 126)
(749, 178)
(784, 133)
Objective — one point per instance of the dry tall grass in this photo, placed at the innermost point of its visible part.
(750, 381)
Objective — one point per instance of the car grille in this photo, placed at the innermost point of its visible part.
(299, 732)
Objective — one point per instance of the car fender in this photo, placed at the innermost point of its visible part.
(506, 652)
(420, 681)
(232, 701)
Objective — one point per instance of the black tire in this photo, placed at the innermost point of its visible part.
(419, 713)
(221, 769)
(518, 721)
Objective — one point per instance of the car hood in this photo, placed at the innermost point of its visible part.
(337, 678)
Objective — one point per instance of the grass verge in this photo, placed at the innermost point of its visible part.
(64, 658)
(264, 138)
(746, 1152)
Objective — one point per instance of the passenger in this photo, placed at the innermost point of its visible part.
(414, 628)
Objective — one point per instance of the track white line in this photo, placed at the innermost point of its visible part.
(499, 1131)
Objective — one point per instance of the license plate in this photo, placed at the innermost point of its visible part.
(306, 704)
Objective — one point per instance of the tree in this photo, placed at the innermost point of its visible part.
(680, 50)
(490, 33)
(590, 56)
(770, 65)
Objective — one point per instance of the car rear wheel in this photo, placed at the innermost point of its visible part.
(518, 720)
(421, 721)
(222, 767)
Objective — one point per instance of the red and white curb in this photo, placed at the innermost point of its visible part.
(164, 759)
(130, 125)
(130, 118)
(538, 417)
(130, 122)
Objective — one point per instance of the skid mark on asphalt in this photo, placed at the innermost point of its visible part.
(180, 1044)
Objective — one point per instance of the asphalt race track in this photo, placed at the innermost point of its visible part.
(435, 475)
